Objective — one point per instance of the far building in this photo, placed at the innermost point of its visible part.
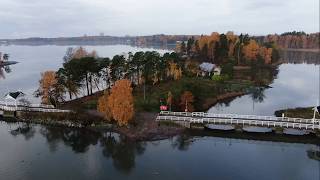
(207, 69)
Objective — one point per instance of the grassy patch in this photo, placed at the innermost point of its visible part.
(201, 89)
(306, 113)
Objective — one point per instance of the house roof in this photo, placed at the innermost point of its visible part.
(14, 95)
(207, 67)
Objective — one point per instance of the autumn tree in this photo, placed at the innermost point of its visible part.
(50, 91)
(80, 53)
(251, 50)
(174, 71)
(186, 101)
(170, 100)
(120, 102)
(103, 106)
(266, 54)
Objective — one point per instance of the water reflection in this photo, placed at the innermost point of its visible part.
(60, 153)
(3, 70)
(26, 130)
(183, 142)
(78, 139)
(119, 149)
(300, 57)
(122, 151)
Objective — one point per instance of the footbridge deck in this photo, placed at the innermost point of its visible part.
(235, 119)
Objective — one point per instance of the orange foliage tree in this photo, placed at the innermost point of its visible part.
(49, 90)
(120, 102)
(186, 101)
(174, 71)
(266, 54)
(103, 106)
(251, 50)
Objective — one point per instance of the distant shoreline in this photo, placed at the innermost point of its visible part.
(302, 50)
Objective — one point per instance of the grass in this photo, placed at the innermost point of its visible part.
(306, 113)
(201, 89)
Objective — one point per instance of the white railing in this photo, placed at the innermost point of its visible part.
(10, 103)
(32, 109)
(264, 123)
(236, 116)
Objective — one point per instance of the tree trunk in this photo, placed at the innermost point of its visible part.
(70, 95)
(90, 80)
(87, 84)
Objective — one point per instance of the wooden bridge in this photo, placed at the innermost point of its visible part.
(235, 119)
(12, 107)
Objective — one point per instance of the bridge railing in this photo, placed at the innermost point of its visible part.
(33, 109)
(236, 116)
(10, 103)
(250, 122)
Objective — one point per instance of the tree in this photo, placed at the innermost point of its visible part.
(189, 45)
(251, 50)
(118, 67)
(120, 102)
(170, 100)
(174, 71)
(50, 91)
(186, 101)
(266, 54)
(69, 55)
(66, 79)
(79, 53)
(104, 107)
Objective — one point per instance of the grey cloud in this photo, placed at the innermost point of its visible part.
(21, 18)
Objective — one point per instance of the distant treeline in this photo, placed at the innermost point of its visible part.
(293, 40)
(154, 40)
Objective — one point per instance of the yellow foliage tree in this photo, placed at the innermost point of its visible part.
(80, 53)
(186, 101)
(103, 106)
(174, 71)
(266, 54)
(47, 85)
(251, 50)
(170, 100)
(120, 102)
(232, 39)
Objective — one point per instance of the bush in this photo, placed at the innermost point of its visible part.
(220, 78)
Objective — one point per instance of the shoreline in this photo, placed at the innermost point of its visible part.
(146, 131)
(254, 136)
(143, 128)
(302, 50)
(213, 101)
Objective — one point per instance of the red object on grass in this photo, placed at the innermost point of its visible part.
(163, 108)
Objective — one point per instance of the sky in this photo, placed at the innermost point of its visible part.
(59, 18)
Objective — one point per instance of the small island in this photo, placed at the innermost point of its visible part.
(125, 93)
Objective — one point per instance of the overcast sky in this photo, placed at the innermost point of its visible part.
(55, 18)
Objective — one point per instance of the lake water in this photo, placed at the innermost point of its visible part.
(35, 59)
(295, 86)
(39, 152)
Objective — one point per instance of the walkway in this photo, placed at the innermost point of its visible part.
(235, 119)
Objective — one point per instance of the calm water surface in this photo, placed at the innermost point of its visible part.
(34, 152)
(35, 59)
(40, 152)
